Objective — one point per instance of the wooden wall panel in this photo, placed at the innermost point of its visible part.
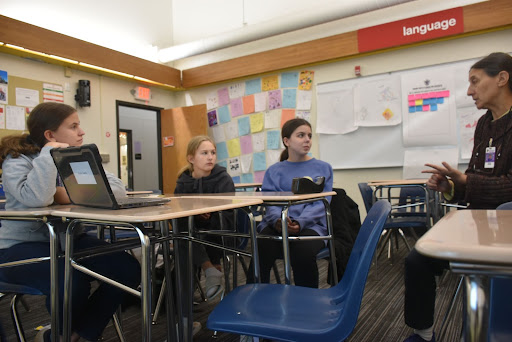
(487, 15)
(287, 57)
(39, 39)
(483, 16)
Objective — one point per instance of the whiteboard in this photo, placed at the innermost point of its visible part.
(375, 147)
(366, 147)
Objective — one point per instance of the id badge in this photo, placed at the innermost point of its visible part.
(490, 156)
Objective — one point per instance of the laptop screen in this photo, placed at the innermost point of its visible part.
(83, 175)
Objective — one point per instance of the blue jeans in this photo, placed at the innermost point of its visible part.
(91, 313)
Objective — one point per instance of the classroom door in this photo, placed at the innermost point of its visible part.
(178, 126)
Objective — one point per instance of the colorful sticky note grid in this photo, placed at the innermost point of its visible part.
(223, 114)
(248, 103)
(306, 80)
(236, 179)
(212, 118)
(259, 161)
(258, 176)
(233, 147)
(223, 96)
(273, 140)
(289, 98)
(256, 122)
(260, 102)
(253, 86)
(236, 107)
(270, 82)
(223, 163)
(289, 80)
(222, 150)
(246, 144)
(247, 178)
(287, 114)
(274, 99)
(244, 126)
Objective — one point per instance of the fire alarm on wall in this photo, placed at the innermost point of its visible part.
(357, 70)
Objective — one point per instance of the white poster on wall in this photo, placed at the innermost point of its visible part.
(428, 106)
(415, 160)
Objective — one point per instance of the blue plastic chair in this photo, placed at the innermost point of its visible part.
(401, 218)
(295, 313)
(17, 291)
(500, 307)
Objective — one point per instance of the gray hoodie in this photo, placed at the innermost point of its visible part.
(30, 182)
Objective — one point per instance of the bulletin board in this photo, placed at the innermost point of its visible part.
(367, 146)
(245, 120)
(21, 95)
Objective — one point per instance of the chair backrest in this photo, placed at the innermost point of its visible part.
(367, 195)
(505, 206)
(350, 289)
(412, 195)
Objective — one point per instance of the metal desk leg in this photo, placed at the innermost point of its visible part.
(477, 307)
(178, 267)
(254, 245)
(54, 276)
(286, 246)
(171, 321)
(145, 285)
(68, 274)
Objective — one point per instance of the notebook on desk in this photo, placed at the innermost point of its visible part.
(86, 183)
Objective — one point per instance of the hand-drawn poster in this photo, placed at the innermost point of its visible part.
(335, 110)
(468, 117)
(428, 107)
(306, 80)
(377, 102)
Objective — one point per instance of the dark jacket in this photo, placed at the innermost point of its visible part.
(346, 223)
(218, 181)
(486, 188)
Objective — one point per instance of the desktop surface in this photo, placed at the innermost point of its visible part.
(470, 236)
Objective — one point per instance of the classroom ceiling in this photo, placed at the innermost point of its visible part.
(143, 28)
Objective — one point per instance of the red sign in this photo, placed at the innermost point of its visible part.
(411, 30)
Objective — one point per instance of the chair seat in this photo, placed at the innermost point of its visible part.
(303, 320)
(22, 289)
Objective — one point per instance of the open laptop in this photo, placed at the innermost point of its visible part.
(86, 183)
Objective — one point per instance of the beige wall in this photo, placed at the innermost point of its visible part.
(98, 119)
(414, 57)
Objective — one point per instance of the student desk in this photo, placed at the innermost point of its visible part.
(431, 204)
(285, 200)
(477, 244)
(247, 186)
(41, 215)
(176, 208)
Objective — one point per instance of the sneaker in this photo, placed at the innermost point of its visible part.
(43, 335)
(417, 338)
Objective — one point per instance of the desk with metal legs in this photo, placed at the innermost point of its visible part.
(478, 244)
(41, 215)
(285, 200)
(134, 218)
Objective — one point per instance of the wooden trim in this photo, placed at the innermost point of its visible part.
(35, 38)
(487, 15)
(477, 18)
(286, 57)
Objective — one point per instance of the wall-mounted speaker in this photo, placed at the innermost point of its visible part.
(83, 93)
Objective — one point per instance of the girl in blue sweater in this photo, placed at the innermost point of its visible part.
(303, 219)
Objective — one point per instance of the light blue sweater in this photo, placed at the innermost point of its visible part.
(279, 176)
(30, 182)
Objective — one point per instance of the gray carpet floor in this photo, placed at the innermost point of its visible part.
(380, 317)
